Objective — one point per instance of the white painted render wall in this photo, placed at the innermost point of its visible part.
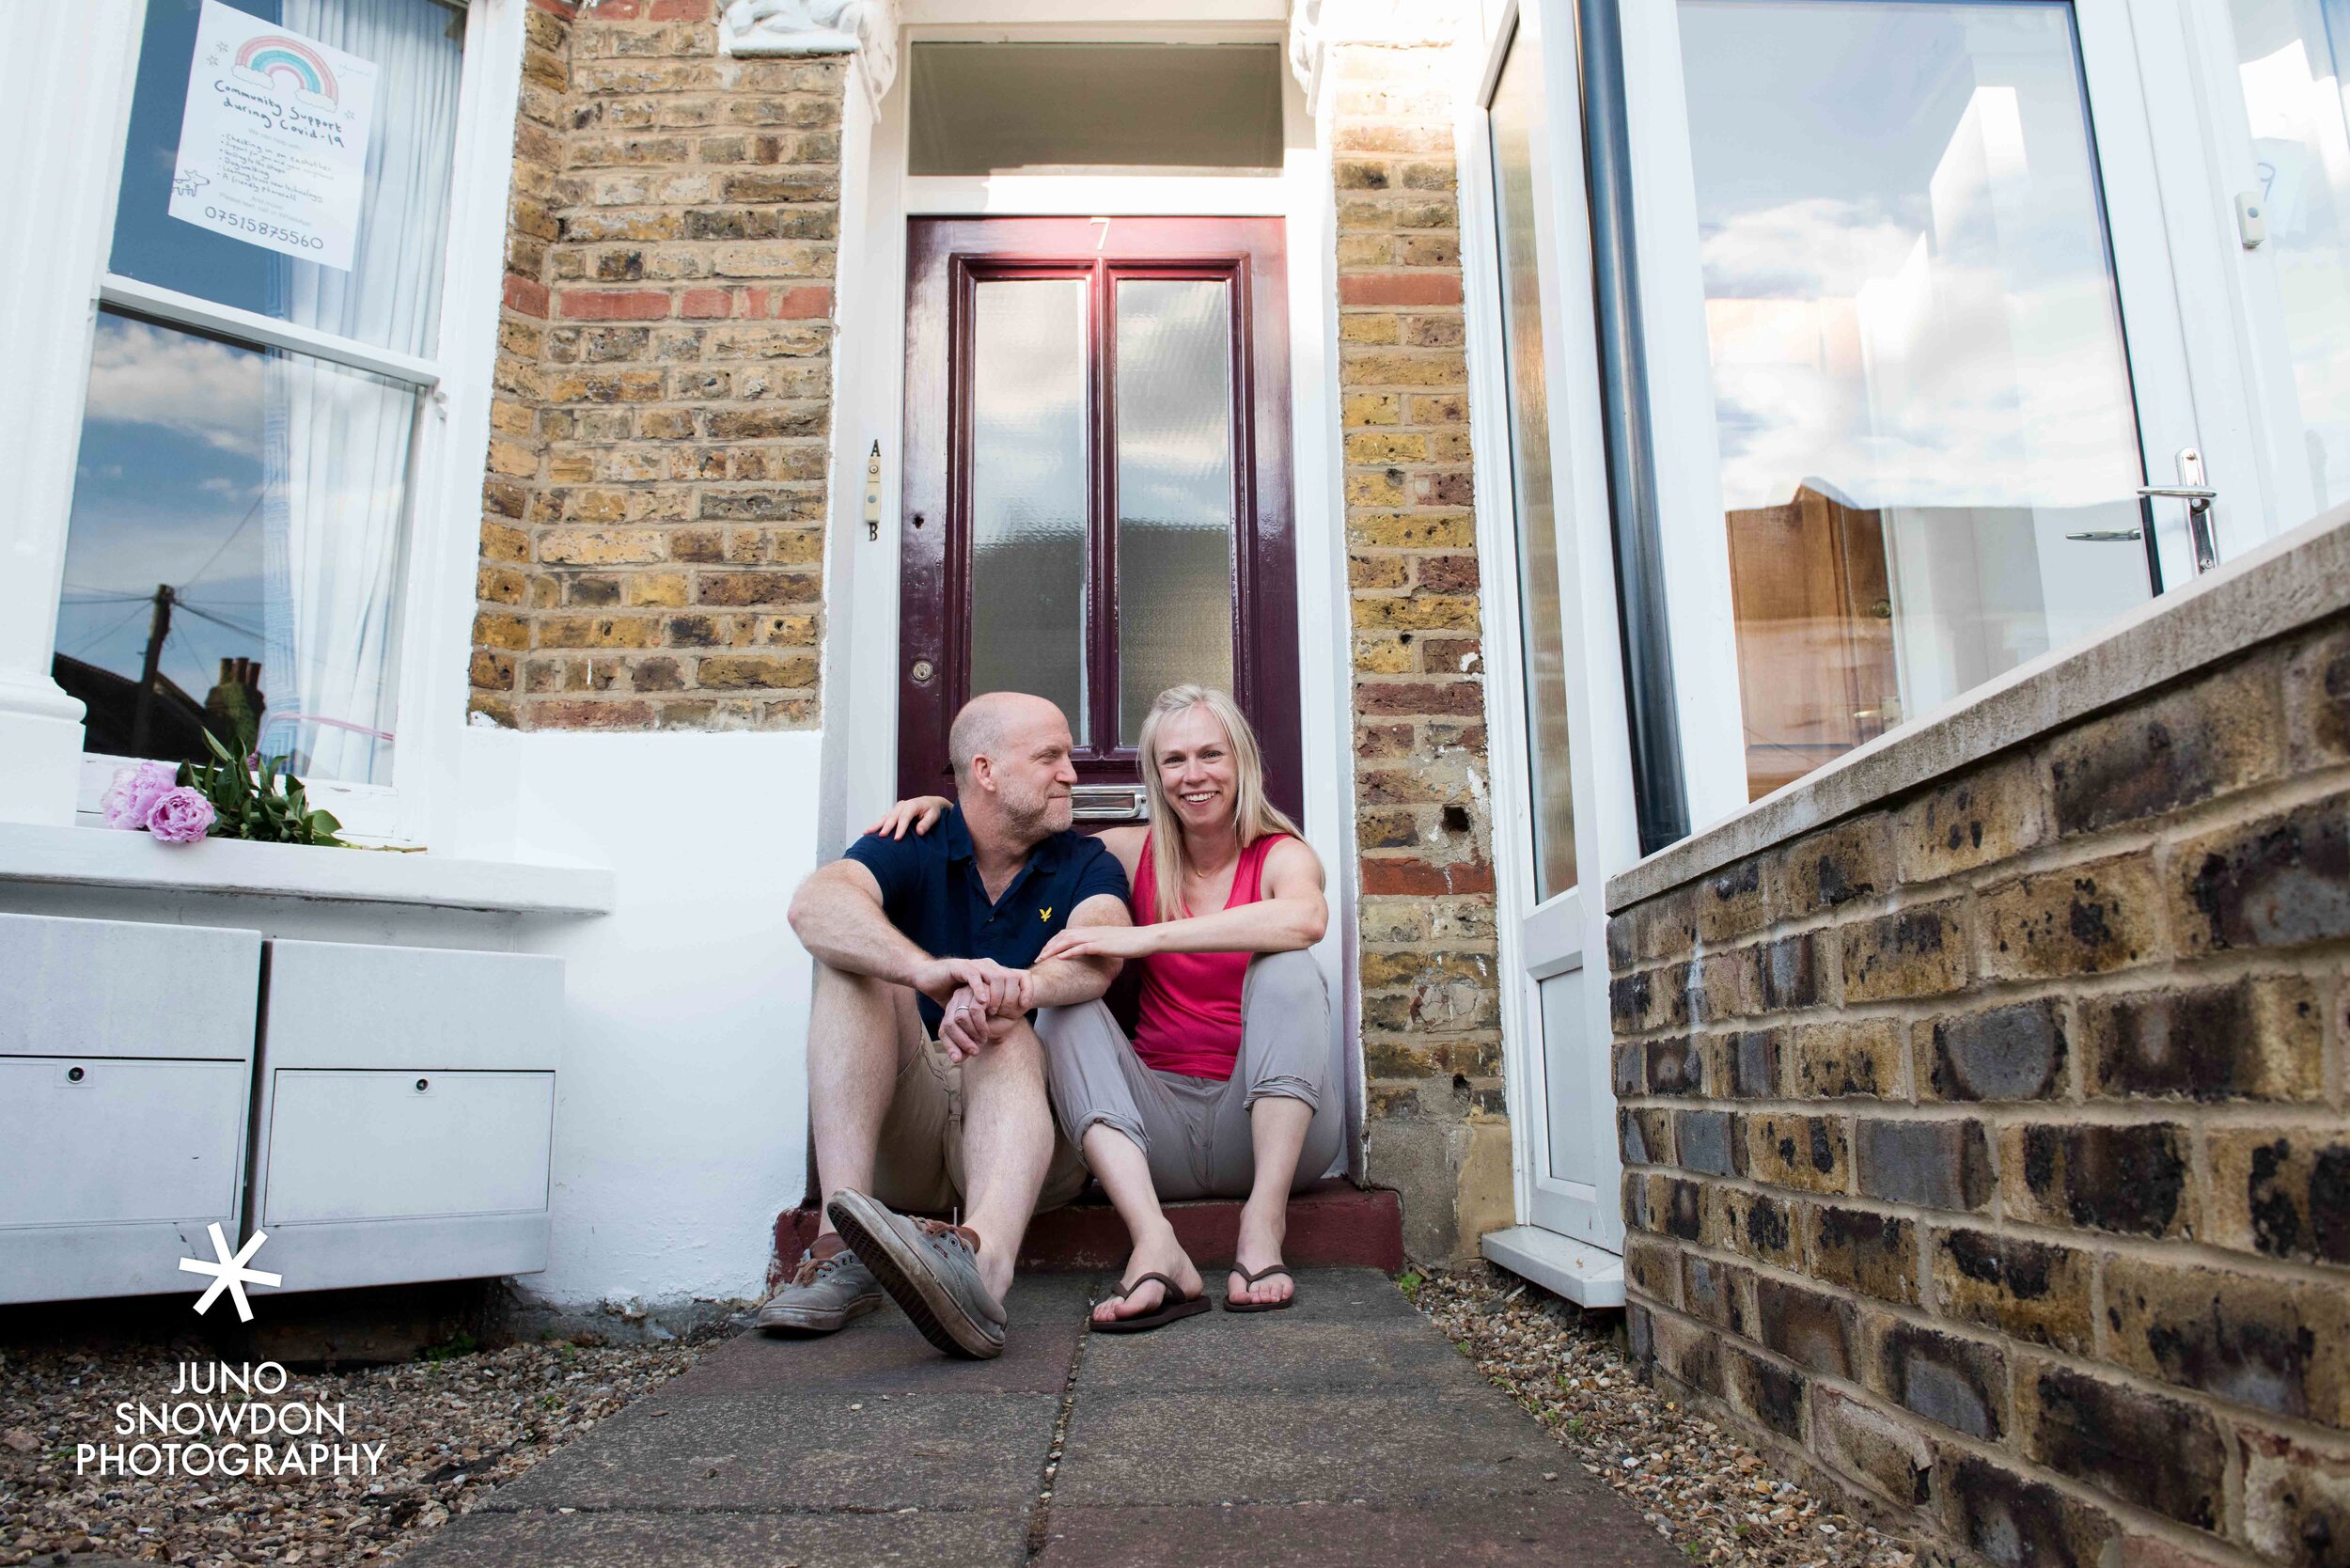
(681, 1116)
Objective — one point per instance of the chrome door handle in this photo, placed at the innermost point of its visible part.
(2199, 497)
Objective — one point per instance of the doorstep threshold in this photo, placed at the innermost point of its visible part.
(1585, 1275)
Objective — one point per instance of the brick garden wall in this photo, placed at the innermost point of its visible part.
(1987, 1149)
(652, 528)
(1431, 1029)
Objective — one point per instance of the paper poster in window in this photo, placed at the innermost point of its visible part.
(274, 140)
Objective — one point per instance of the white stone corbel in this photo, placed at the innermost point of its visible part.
(1308, 48)
(761, 29)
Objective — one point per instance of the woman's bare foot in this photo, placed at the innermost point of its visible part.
(1159, 1253)
(1261, 1232)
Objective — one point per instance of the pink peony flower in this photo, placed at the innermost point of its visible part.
(180, 816)
(135, 792)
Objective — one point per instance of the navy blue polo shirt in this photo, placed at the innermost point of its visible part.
(931, 890)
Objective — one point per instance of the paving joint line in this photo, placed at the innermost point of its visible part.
(778, 1511)
(1040, 1517)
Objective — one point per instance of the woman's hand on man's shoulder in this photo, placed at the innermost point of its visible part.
(921, 814)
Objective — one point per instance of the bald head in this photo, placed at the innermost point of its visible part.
(993, 721)
(1010, 753)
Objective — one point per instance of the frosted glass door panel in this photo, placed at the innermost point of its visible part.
(1929, 450)
(1174, 490)
(1516, 119)
(1029, 491)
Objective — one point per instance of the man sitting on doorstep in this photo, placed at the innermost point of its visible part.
(926, 1080)
(1225, 1088)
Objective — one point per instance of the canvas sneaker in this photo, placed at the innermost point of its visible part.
(823, 1294)
(930, 1268)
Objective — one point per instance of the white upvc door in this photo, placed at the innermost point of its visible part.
(1562, 792)
(2254, 157)
(1921, 267)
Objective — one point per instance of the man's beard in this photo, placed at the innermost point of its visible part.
(1037, 815)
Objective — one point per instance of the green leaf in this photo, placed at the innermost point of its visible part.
(218, 750)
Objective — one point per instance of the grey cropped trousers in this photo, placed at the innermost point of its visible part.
(1195, 1132)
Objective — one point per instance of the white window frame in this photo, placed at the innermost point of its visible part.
(442, 528)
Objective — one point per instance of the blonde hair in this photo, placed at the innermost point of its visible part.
(1253, 814)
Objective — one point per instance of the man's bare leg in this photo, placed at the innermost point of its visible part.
(862, 1032)
(1007, 1147)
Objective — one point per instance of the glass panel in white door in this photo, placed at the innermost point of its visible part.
(1565, 1112)
(1930, 444)
(1516, 115)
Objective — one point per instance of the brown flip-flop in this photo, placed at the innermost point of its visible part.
(1266, 1272)
(1177, 1305)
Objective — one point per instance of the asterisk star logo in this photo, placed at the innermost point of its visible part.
(230, 1274)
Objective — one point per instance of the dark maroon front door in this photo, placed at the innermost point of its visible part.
(1097, 497)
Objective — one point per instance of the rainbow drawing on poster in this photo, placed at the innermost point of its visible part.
(272, 56)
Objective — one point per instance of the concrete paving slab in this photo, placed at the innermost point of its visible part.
(1343, 1430)
(1228, 1445)
(694, 1540)
(1554, 1528)
(1265, 1351)
(771, 1452)
(882, 1353)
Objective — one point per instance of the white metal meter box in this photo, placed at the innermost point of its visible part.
(126, 1073)
(406, 1119)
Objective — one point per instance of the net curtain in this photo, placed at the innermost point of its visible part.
(339, 442)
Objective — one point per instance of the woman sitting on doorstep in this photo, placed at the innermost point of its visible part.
(1224, 1090)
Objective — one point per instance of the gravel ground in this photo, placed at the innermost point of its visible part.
(1702, 1489)
(452, 1430)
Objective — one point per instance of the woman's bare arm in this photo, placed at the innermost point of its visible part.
(1291, 915)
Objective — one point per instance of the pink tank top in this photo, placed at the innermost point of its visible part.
(1189, 1020)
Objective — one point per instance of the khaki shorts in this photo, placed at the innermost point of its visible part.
(918, 1167)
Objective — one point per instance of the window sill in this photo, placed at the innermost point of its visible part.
(103, 857)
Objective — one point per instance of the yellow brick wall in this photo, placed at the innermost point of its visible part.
(652, 532)
(1431, 1024)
